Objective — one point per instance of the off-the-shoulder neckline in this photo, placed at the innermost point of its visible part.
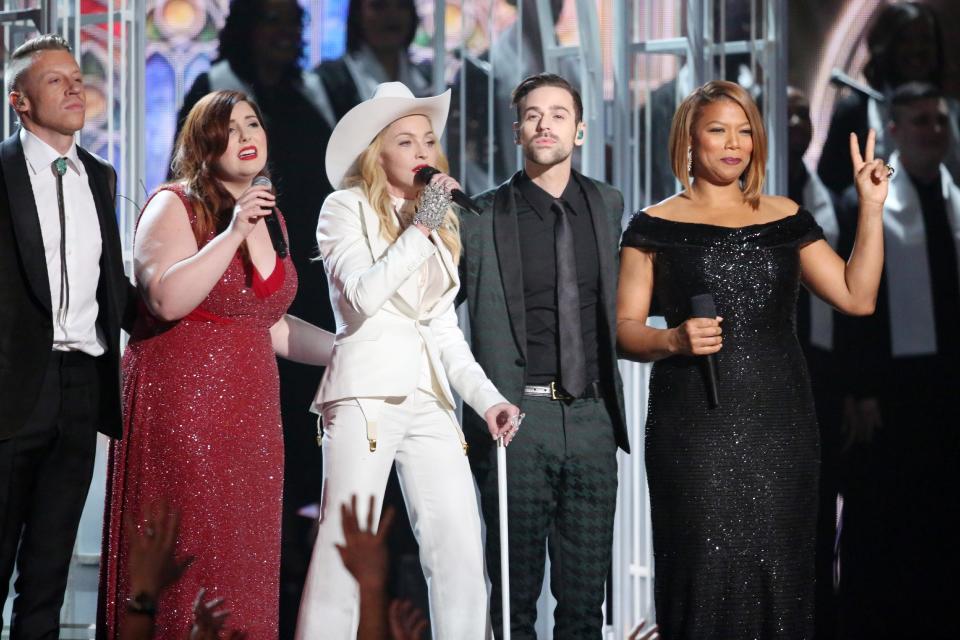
(720, 226)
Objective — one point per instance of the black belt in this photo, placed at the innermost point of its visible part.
(70, 358)
(555, 392)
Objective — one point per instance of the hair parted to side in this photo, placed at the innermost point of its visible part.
(538, 80)
(203, 139)
(685, 118)
(369, 175)
(22, 57)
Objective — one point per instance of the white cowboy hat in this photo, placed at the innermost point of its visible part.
(357, 129)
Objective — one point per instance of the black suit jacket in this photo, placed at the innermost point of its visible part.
(492, 283)
(26, 321)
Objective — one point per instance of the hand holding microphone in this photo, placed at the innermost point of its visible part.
(270, 218)
(701, 335)
(424, 176)
(252, 205)
(432, 210)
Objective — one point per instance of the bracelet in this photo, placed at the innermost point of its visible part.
(143, 604)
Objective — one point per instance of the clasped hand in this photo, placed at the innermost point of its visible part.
(503, 421)
(697, 337)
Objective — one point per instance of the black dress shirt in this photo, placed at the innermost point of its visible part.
(536, 223)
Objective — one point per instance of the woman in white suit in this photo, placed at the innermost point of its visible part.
(390, 249)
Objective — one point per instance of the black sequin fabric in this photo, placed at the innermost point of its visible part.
(733, 489)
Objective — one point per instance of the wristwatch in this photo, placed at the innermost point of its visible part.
(142, 603)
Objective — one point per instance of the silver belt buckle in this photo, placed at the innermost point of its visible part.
(557, 394)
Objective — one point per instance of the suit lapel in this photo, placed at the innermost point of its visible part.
(601, 229)
(109, 229)
(26, 220)
(506, 236)
(404, 298)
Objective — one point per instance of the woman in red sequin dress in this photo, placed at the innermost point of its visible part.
(201, 393)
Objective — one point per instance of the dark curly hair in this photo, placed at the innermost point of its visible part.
(237, 32)
(355, 35)
(882, 40)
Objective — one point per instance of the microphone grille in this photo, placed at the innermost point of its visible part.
(702, 306)
(262, 181)
(424, 174)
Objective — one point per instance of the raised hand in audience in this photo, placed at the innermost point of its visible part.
(639, 633)
(209, 619)
(406, 621)
(153, 566)
(364, 554)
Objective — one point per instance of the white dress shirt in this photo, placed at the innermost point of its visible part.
(79, 331)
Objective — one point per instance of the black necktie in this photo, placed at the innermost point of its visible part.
(60, 168)
(942, 259)
(573, 370)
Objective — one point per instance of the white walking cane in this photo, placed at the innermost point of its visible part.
(504, 536)
(504, 533)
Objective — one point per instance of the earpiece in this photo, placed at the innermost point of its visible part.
(580, 135)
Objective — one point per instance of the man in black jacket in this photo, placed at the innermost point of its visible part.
(63, 295)
(540, 268)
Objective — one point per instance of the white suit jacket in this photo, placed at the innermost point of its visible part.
(380, 329)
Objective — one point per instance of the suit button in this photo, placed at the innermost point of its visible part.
(520, 362)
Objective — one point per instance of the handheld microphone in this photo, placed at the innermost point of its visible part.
(701, 306)
(272, 221)
(426, 172)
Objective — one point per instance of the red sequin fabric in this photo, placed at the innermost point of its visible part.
(202, 431)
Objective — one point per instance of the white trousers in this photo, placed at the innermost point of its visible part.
(422, 435)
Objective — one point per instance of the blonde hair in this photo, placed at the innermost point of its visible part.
(681, 133)
(372, 179)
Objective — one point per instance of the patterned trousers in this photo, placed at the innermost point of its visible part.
(562, 486)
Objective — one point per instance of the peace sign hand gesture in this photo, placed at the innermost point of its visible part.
(871, 175)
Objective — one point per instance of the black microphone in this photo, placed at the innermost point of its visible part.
(701, 306)
(272, 221)
(426, 172)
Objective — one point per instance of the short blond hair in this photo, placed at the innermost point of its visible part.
(685, 118)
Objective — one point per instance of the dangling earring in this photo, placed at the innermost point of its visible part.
(689, 159)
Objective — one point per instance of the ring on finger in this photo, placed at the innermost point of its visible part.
(890, 170)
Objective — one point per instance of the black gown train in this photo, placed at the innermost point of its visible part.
(733, 489)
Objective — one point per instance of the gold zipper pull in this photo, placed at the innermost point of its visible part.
(373, 444)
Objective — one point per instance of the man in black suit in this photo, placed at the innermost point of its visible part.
(63, 295)
(540, 268)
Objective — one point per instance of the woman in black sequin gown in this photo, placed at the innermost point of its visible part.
(733, 489)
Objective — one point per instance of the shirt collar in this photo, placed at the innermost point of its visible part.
(404, 208)
(41, 155)
(541, 201)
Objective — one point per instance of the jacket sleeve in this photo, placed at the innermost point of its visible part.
(466, 376)
(365, 283)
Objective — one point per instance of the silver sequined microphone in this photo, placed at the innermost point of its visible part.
(272, 221)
